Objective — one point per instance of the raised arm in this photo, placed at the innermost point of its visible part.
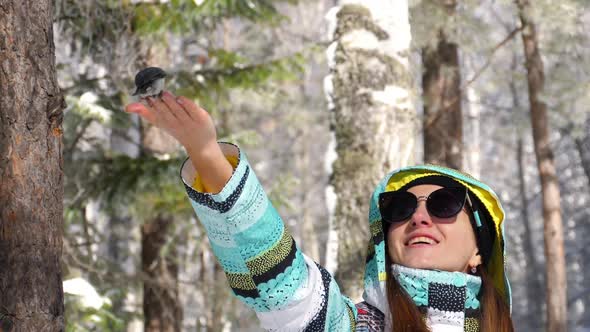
(262, 262)
(192, 127)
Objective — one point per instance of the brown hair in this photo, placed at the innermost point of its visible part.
(406, 317)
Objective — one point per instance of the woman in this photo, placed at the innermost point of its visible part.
(436, 253)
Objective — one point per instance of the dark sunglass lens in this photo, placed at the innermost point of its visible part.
(397, 206)
(446, 202)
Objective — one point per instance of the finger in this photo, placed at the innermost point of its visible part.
(163, 110)
(143, 111)
(170, 101)
(190, 107)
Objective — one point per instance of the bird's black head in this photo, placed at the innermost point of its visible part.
(146, 77)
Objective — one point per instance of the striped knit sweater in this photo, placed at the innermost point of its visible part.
(264, 267)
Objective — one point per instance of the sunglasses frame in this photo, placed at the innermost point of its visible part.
(466, 199)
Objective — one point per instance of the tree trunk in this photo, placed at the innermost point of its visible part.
(535, 287)
(583, 148)
(161, 306)
(556, 281)
(373, 119)
(533, 273)
(472, 134)
(162, 309)
(31, 176)
(218, 300)
(441, 85)
(309, 235)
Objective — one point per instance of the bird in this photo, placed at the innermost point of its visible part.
(149, 82)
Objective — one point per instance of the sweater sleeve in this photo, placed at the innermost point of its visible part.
(262, 263)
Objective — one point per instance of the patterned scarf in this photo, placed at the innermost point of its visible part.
(448, 299)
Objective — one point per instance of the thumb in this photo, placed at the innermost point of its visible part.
(142, 110)
(135, 108)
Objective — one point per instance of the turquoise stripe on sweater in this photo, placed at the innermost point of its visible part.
(262, 237)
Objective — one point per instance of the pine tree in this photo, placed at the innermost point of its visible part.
(31, 220)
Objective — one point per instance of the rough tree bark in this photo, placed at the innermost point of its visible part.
(161, 308)
(441, 86)
(31, 175)
(556, 281)
(373, 119)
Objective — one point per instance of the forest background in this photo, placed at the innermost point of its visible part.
(497, 88)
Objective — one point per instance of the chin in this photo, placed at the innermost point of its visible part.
(424, 266)
(425, 263)
(430, 265)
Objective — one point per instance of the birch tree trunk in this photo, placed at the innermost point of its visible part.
(441, 86)
(472, 134)
(373, 118)
(556, 281)
(31, 170)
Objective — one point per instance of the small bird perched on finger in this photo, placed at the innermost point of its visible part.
(149, 82)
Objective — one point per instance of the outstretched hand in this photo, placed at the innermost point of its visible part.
(188, 123)
(192, 127)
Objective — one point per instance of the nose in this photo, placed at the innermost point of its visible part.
(421, 218)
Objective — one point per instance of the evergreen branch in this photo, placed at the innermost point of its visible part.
(185, 16)
(113, 274)
(239, 70)
(210, 84)
(79, 134)
(128, 139)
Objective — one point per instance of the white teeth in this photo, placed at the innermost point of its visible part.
(421, 239)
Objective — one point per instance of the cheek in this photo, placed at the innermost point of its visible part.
(460, 236)
(394, 242)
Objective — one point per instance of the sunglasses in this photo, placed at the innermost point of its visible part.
(398, 206)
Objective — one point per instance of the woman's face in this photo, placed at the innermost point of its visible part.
(428, 242)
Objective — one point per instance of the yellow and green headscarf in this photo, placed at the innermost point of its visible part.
(375, 271)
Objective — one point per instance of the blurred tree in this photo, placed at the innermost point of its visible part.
(31, 180)
(583, 147)
(138, 168)
(161, 305)
(534, 271)
(441, 89)
(102, 162)
(556, 281)
(373, 120)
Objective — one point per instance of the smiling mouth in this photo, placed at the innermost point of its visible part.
(421, 240)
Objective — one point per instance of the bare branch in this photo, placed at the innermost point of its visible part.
(478, 73)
